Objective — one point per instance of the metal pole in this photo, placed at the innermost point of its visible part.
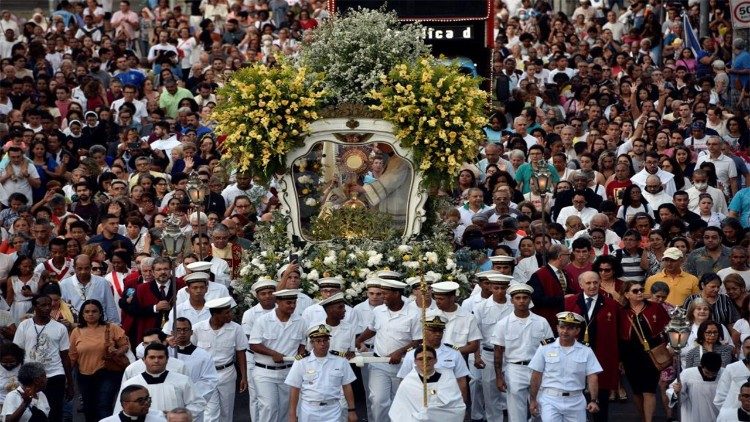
(423, 288)
(173, 287)
(704, 18)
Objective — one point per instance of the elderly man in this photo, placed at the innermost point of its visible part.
(600, 221)
(83, 286)
(551, 285)
(474, 206)
(520, 124)
(681, 284)
(654, 193)
(493, 155)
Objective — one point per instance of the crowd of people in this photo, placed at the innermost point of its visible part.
(105, 114)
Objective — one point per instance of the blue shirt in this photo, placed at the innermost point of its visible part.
(741, 205)
(131, 77)
(742, 61)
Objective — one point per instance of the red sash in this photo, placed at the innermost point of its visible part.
(116, 283)
(59, 275)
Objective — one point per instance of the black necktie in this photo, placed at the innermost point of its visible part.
(125, 418)
(163, 291)
(589, 300)
(150, 379)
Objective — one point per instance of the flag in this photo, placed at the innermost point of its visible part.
(689, 37)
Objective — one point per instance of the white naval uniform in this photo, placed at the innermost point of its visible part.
(564, 371)
(393, 330)
(730, 381)
(285, 338)
(248, 319)
(174, 391)
(151, 416)
(343, 338)
(461, 327)
(223, 345)
(200, 368)
(303, 302)
(315, 314)
(213, 291)
(320, 381)
(520, 337)
(185, 309)
(448, 359)
(219, 268)
(695, 397)
(363, 313)
(475, 379)
(488, 313)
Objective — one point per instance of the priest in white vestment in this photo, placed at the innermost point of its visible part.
(444, 400)
(695, 389)
(168, 390)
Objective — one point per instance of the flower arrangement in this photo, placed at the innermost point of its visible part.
(355, 49)
(438, 113)
(265, 113)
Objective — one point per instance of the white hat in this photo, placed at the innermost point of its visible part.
(263, 283)
(373, 282)
(445, 287)
(391, 284)
(484, 274)
(196, 276)
(520, 288)
(672, 253)
(388, 274)
(338, 297)
(569, 318)
(502, 259)
(287, 294)
(199, 266)
(435, 319)
(500, 278)
(330, 282)
(318, 330)
(284, 267)
(220, 303)
(428, 278)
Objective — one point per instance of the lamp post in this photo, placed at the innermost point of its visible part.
(197, 192)
(174, 243)
(541, 177)
(678, 331)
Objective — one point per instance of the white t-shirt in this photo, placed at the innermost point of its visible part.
(43, 344)
(20, 185)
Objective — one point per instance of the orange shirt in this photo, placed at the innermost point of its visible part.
(88, 346)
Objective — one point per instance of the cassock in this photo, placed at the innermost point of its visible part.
(141, 308)
(168, 390)
(232, 254)
(730, 381)
(201, 369)
(600, 333)
(696, 396)
(152, 416)
(444, 400)
(175, 366)
(548, 296)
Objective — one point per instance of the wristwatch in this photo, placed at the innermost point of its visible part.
(596, 401)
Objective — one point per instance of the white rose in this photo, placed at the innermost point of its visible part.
(374, 261)
(450, 264)
(262, 267)
(313, 275)
(329, 260)
(432, 257)
(245, 271)
(264, 254)
(371, 253)
(404, 248)
(364, 272)
(411, 265)
(435, 276)
(311, 202)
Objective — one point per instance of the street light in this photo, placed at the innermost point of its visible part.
(174, 243)
(541, 177)
(678, 331)
(197, 191)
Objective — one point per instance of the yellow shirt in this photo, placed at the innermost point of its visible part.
(680, 287)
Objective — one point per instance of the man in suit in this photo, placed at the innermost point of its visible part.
(152, 301)
(551, 285)
(599, 332)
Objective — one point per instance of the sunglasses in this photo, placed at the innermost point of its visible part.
(96, 268)
(636, 291)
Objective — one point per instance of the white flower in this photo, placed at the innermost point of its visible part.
(374, 260)
(371, 253)
(363, 273)
(450, 265)
(435, 276)
(245, 271)
(331, 253)
(313, 275)
(314, 287)
(262, 267)
(311, 202)
(305, 180)
(264, 254)
(329, 260)
(432, 257)
(350, 292)
(411, 265)
(404, 248)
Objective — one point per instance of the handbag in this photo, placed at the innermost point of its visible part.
(660, 356)
(114, 362)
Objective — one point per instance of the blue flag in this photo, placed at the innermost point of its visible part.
(689, 37)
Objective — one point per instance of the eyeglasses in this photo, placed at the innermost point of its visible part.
(605, 270)
(96, 268)
(636, 291)
(711, 333)
(141, 400)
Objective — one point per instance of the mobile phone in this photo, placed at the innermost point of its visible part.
(129, 292)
